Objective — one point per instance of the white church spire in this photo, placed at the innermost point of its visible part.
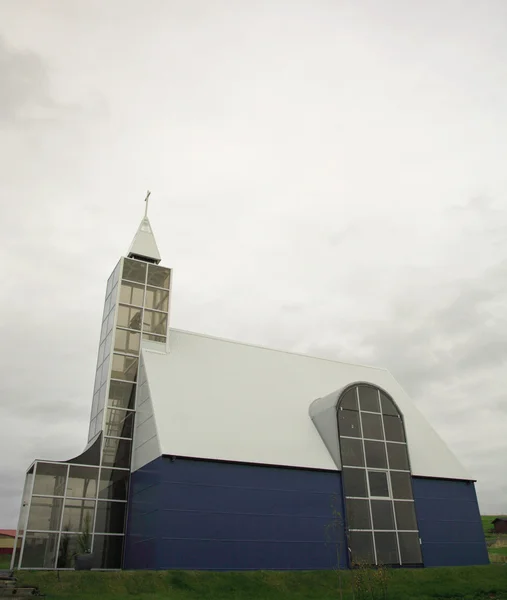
(143, 245)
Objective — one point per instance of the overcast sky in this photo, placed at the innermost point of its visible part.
(327, 176)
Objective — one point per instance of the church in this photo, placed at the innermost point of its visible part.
(211, 454)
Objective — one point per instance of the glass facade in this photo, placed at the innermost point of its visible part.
(62, 502)
(377, 483)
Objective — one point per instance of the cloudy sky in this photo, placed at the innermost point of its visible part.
(327, 177)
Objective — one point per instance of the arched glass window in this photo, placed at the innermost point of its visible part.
(379, 503)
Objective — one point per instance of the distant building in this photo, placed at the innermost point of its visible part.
(7, 539)
(211, 454)
(500, 525)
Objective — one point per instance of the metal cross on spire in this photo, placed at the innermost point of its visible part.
(146, 200)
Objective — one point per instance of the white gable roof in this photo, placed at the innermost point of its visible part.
(223, 400)
(144, 244)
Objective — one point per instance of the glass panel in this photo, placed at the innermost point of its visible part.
(368, 398)
(134, 270)
(157, 299)
(78, 515)
(361, 547)
(382, 513)
(110, 321)
(39, 551)
(398, 456)
(107, 551)
(67, 551)
(129, 317)
(349, 400)
(375, 454)
(410, 548)
(358, 514)
(99, 422)
(354, 482)
(159, 276)
(155, 322)
(387, 548)
(372, 426)
(113, 484)
(405, 515)
(101, 354)
(127, 341)
(119, 423)
(394, 429)
(124, 367)
(352, 452)
(154, 338)
(105, 371)
(45, 513)
(348, 421)
(378, 483)
(50, 479)
(110, 517)
(388, 407)
(82, 482)
(401, 485)
(122, 394)
(116, 453)
(132, 293)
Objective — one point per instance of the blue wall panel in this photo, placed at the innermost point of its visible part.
(449, 522)
(191, 514)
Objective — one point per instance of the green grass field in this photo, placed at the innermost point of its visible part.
(497, 543)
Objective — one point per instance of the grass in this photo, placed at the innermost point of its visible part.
(5, 561)
(497, 542)
(466, 583)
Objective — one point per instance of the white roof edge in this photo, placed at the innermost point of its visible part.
(289, 352)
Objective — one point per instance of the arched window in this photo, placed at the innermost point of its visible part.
(379, 503)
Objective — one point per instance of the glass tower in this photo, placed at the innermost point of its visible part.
(82, 502)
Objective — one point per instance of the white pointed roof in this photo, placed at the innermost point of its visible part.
(144, 244)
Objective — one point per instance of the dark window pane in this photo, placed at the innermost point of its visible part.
(50, 479)
(372, 426)
(39, 551)
(113, 484)
(354, 482)
(405, 515)
(124, 367)
(394, 429)
(116, 453)
(127, 341)
(388, 407)
(361, 547)
(122, 394)
(45, 513)
(159, 276)
(110, 517)
(410, 548)
(368, 398)
(154, 322)
(82, 482)
(401, 485)
(67, 551)
(375, 455)
(387, 548)
(382, 513)
(107, 551)
(119, 423)
(348, 422)
(155, 338)
(134, 270)
(352, 452)
(358, 514)
(128, 317)
(157, 299)
(398, 456)
(78, 515)
(378, 483)
(349, 400)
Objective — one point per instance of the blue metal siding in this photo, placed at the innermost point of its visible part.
(191, 514)
(449, 522)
